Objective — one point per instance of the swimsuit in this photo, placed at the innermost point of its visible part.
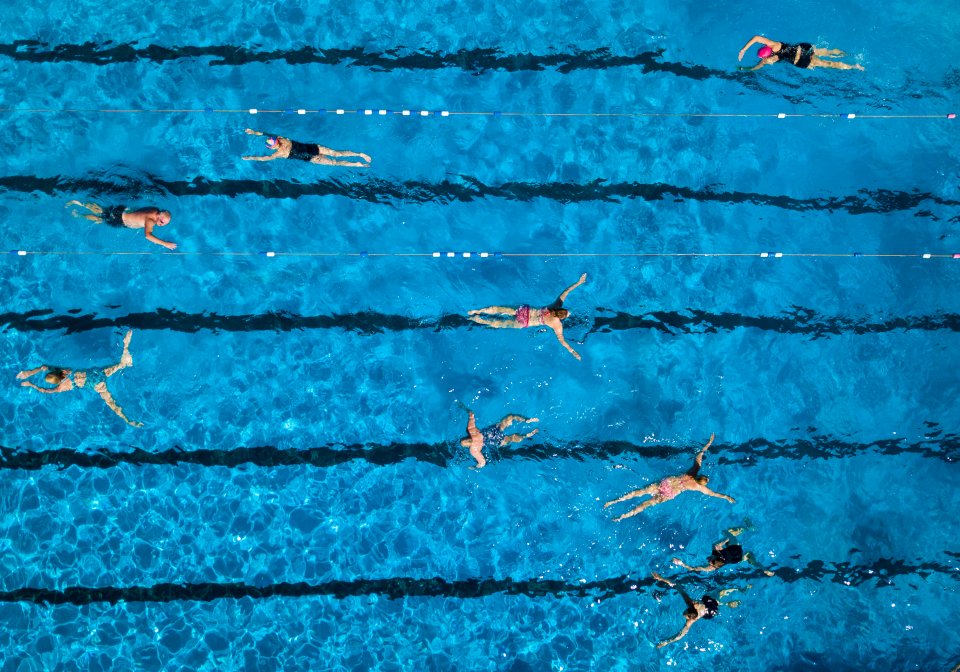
(303, 152)
(114, 216)
(523, 316)
(666, 489)
(94, 378)
(729, 555)
(492, 436)
(788, 52)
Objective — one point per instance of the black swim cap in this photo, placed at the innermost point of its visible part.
(712, 606)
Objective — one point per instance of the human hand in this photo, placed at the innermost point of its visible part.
(533, 419)
(577, 356)
(583, 278)
(170, 246)
(247, 158)
(677, 561)
(250, 131)
(742, 52)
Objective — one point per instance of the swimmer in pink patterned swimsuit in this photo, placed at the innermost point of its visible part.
(522, 317)
(670, 487)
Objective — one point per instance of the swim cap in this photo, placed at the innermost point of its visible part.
(272, 142)
(764, 51)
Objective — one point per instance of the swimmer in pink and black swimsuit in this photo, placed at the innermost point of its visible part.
(524, 316)
(670, 487)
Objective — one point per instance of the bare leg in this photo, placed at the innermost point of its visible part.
(649, 490)
(510, 419)
(125, 358)
(816, 62)
(517, 438)
(496, 324)
(104, 393)
(653, 501)
(326, 151)
(827, 52)
(92, 207)
(494, 310)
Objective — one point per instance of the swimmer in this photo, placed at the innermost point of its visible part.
(64, 380)
(119, 217)
(706, 607)
(724, 555)
(525, 316)
(285, 148)
(670, 487)
(802, 55)
(492, 436)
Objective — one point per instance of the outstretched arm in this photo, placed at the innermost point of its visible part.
(698, 460)
(32, 372)
(707, 491)
(104, 393)
(558, 330)
(702, 568)
(680, 635)
(262, 158)
(754, 40)
(566, 292)
(45, 390)
(148, 234)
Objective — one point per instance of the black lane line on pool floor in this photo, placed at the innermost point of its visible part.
(881, 573)
(801, 321)
(946, 448)
(469, 189)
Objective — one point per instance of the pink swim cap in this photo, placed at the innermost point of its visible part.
(764, 51)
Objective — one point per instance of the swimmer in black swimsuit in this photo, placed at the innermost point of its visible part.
(120, 217)
(803, 55)
(706, 607)
(285, 148)
(492, 435)
(724, 555)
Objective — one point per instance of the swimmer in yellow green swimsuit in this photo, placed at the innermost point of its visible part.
(670, 487)
(65, 380)
(522, 317)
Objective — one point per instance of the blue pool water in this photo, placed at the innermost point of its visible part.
(297, 498)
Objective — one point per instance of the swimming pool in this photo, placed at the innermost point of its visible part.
(297, 498)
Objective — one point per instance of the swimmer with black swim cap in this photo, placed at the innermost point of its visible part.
(723, 555)
(706, 607)
(802, 55)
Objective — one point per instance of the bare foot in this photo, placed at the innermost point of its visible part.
(533, 419)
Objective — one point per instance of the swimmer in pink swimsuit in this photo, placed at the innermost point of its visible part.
(670, 487)
(524, 316)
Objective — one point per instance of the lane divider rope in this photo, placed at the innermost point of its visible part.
(494, 255)
(382, 112)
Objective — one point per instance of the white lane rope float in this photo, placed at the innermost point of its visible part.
(494, 255)
(383, 112)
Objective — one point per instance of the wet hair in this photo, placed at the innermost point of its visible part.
(713, 607)
(561, 313)
(702, 480)
(55, 376)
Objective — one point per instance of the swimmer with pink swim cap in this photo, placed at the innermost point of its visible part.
(285, 148)
(802, 55)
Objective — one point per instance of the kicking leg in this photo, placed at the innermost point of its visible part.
(653, 501)
(649, 490)
(827, 52)
(493, 310)
(126, 359)
(496, 324)
(837, 65)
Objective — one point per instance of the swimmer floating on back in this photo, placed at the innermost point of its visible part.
(285, 148)
(65, 380)
(670, 487)
(706, 607)
(119, 217)
(526, 316)
(803, 55)
(493, 435)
